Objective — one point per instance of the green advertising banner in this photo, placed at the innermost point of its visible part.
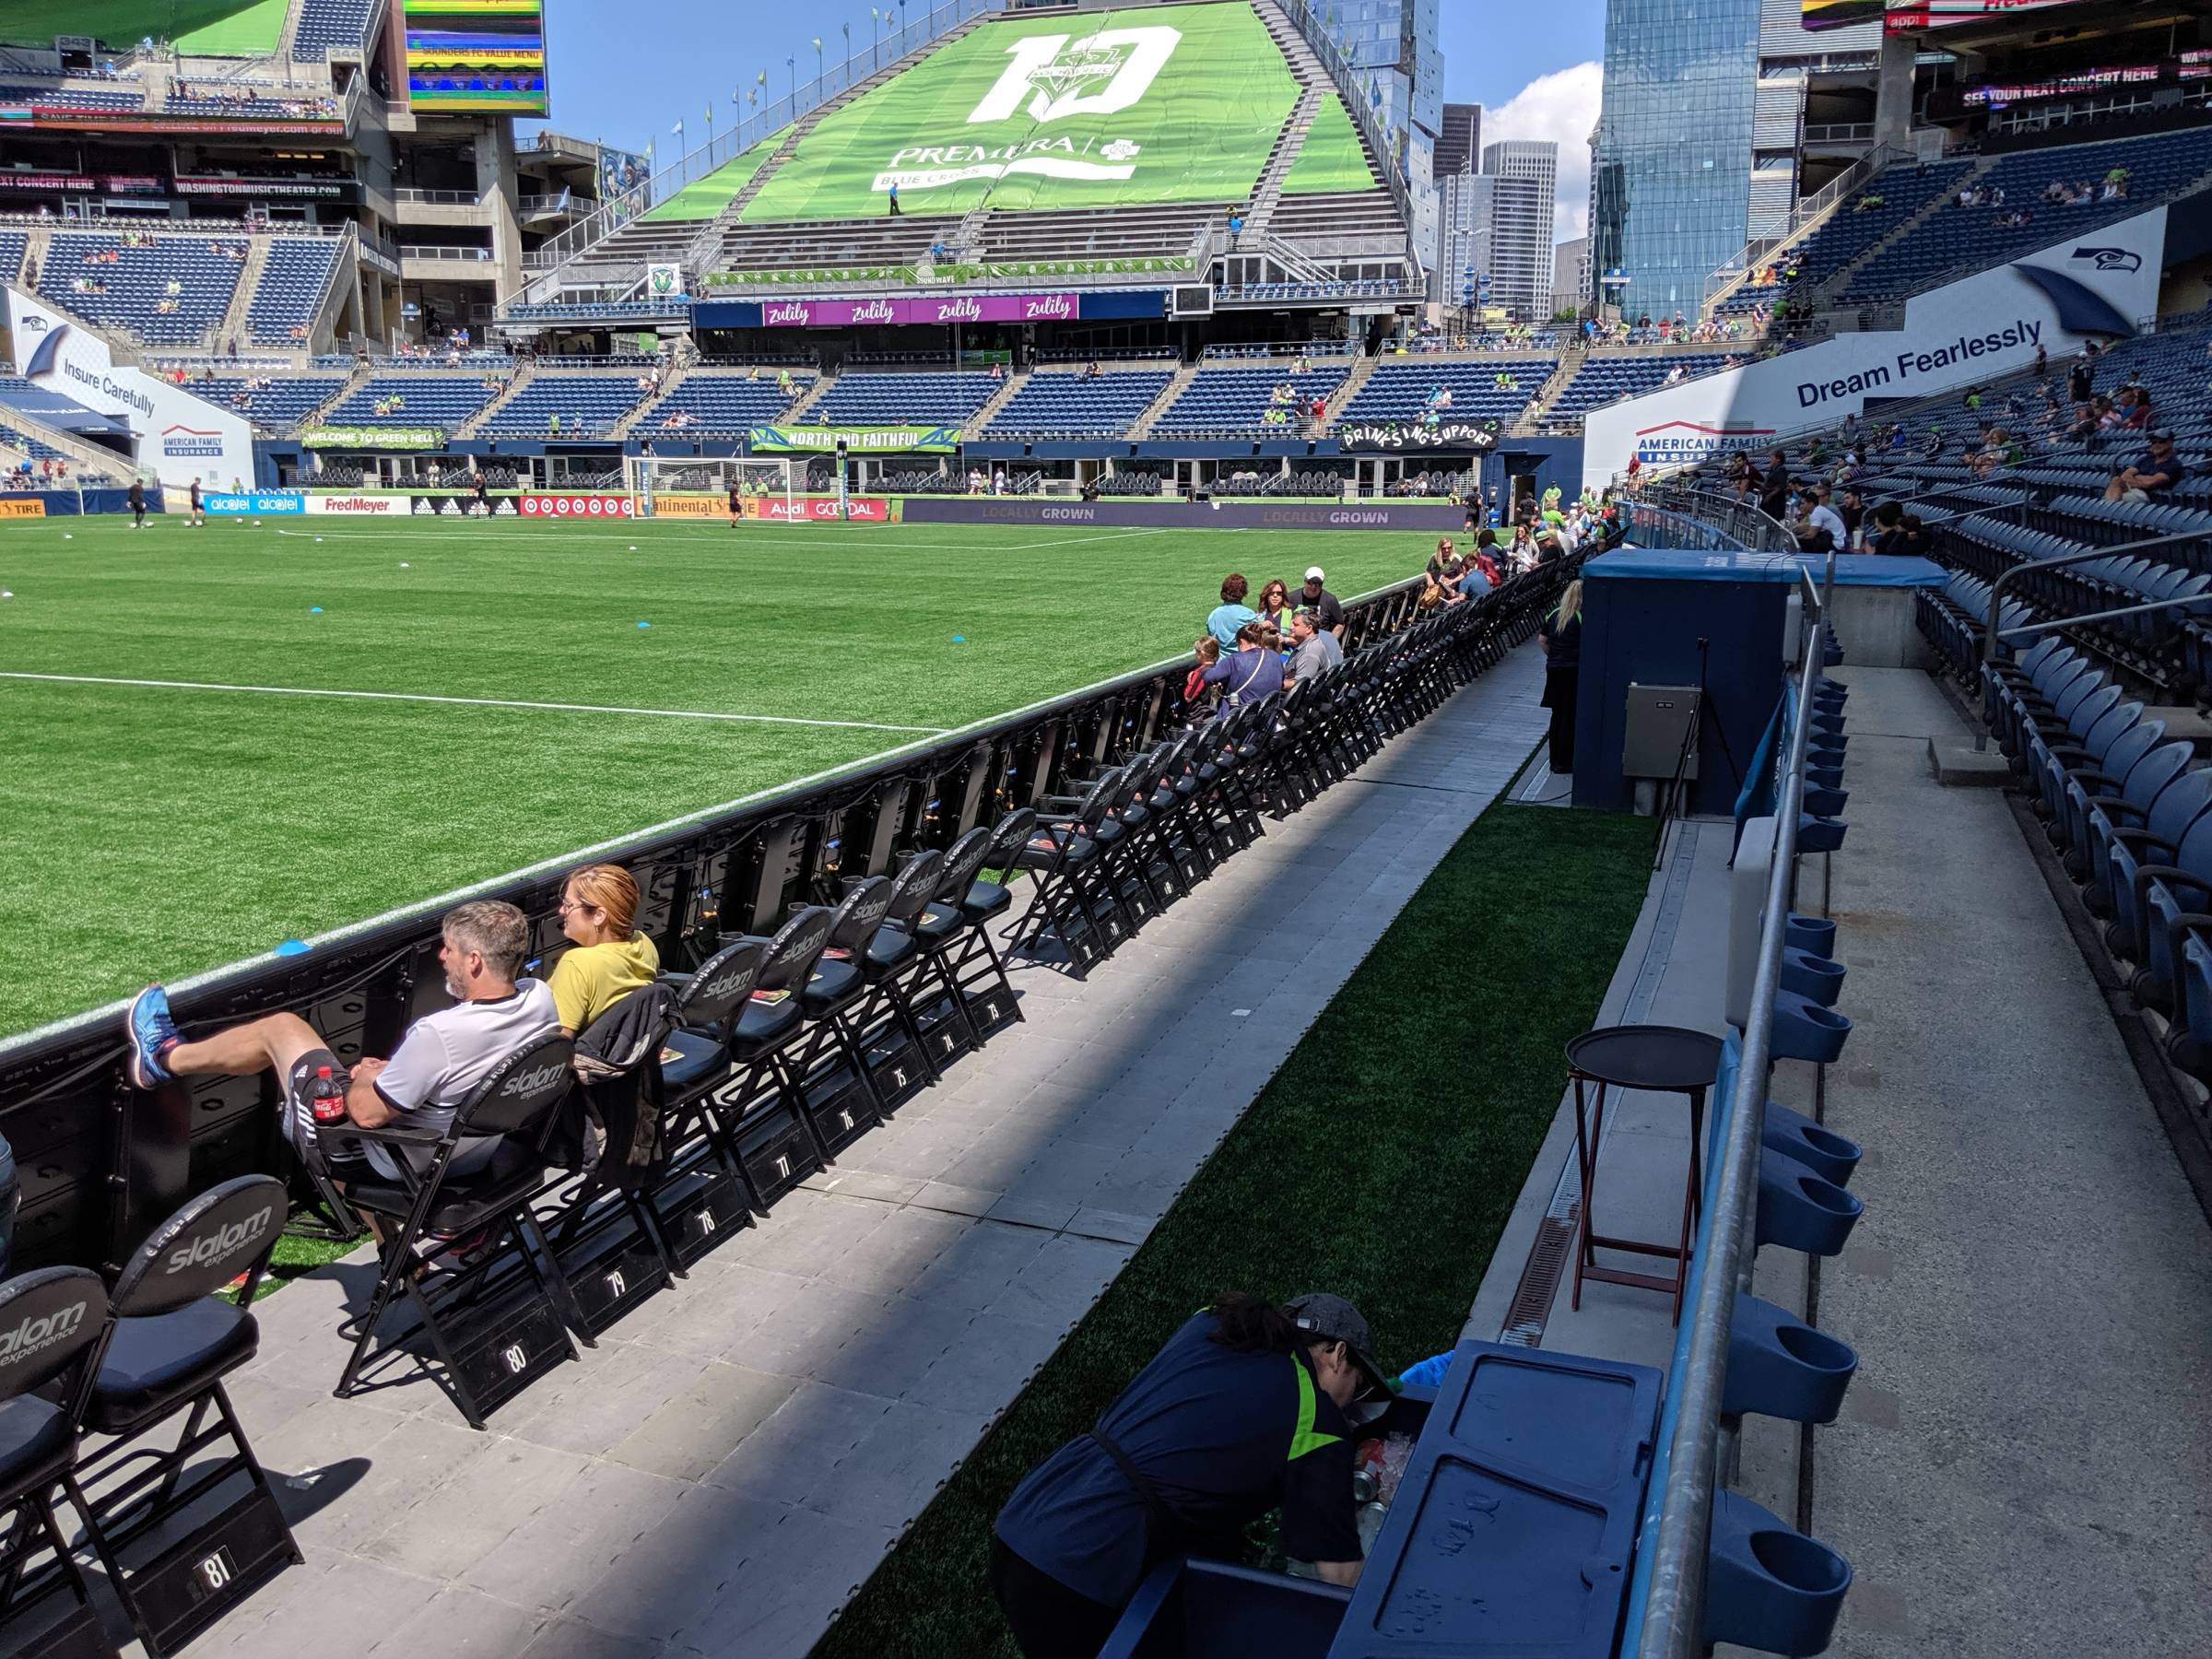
(858, 440)
(1105, 109)
(705, 197)
(1332, 160)
(374, 438)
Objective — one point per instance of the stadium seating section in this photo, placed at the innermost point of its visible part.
(1604, 379)
(291, 289)
(1958, 236)
(57, 98)
(1902, 189)
(724, 403)
(1400, 390)
(426, 400)
(588, 406)
(1078, 404)
(23, 442)
(904, 399)
(327, 23)
(12, 243)
(279, 407)
(1223, 399)
(135, 286)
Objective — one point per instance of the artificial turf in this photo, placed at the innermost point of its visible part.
(159, 831)
(1381, 1163)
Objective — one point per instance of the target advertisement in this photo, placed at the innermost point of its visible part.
(578, 506)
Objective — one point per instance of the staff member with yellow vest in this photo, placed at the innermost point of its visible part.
(1241, 1412)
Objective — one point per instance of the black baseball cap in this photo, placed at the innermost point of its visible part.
(1327, 1314)
(2161, 436)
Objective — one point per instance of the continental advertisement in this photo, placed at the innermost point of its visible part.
(858, 440)
(1176, 103)
(17, 508)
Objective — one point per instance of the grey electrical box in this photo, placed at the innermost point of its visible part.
(1660, 722)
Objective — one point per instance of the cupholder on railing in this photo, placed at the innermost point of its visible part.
(1831, 690)
(1804, 1030)
(1767, 1585)
(1826, 803)
(1819, 834)
(1833, 653)
(1827, 722)
(1815, 934)
(1823, 1151)
(1825, 777)
(1801, 1211)
(1815, 978)
(1781, 1367)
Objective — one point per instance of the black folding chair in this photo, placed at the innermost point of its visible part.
(206, 1534)
(931, 1024)
(1075, 901)
(52, 1322)
(759, 1109)
(703, 1193)
(838, 1089)
(606, 1247)
(499, 1319)
(953, 928)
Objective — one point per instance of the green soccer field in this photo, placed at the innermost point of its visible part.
(154, 829)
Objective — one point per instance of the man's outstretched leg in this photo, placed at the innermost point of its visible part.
(160, 1053)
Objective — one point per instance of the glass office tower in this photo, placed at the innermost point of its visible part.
(1671, 184)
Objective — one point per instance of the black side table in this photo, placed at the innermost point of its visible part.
(1664, 1060)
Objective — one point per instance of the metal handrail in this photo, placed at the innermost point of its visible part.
(1731, 272)
(1673, 1542)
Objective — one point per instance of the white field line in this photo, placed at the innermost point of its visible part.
(479, 702)
(405, 530)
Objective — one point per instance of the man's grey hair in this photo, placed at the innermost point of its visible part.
(495, 930)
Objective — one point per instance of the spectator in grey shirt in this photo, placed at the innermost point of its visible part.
(1313, 649)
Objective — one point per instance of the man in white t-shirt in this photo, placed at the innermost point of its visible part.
(442, 1056)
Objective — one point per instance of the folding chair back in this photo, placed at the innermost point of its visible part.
(914, 887)
(224, 1233)
(51, 1322)
(171, 1339)
(796, 946)
(520, 1091)
(721, 985)
(966, 854)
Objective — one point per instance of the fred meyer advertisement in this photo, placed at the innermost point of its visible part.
(179, 438)
(2100, 285)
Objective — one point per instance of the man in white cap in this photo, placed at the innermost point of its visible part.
(1325, 606)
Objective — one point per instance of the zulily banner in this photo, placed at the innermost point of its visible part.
(179, 438)
(1163, 104)
(858, 440)
(962, 308)
(2093, 285)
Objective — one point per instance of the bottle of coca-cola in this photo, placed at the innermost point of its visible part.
(326, 1098)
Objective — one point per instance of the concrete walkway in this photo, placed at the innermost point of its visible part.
(730, 1464)
(2024, 1462)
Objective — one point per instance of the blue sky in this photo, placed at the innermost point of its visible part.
(615, 80)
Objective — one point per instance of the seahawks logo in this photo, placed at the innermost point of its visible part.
(2111, 259)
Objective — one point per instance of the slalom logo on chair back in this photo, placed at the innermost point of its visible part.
(35, 1334)
(216, 1246)
(735, 983)
(530, 1082)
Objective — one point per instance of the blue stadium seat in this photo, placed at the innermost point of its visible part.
(1399, 389)
(279, 407)
(58, 97)
(724, 402)
(897, 399)
(130, 288)
(327, 23)
(1074, 403)
(1608, 379)
(12, 243)
(588, 404)
(426, 400)
(290, 289)
(1236, 400)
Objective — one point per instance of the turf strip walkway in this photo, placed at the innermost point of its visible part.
(1381, 1163)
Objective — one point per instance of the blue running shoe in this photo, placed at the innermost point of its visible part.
(153, 1033)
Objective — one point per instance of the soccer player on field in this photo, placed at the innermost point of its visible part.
(736, 505)
(196, 518)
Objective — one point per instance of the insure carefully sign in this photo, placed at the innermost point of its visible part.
(858, 440)
(1419, 435)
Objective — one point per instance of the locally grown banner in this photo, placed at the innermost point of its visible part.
(374, 438)
(858, 440)
(1417, 435)
(1105, 109)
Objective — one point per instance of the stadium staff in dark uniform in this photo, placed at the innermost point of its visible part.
(483, 489)
(1242, 1411)
(1560, 636)
(137, 501)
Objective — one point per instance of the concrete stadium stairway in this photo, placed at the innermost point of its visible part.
(1350, 387)
(523, 372)
(1840, 279)
(997, 400)
(1178, 383)
(232, 327)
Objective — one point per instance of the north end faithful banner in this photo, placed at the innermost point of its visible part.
(1476, 435)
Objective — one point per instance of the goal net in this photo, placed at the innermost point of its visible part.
(668, 488)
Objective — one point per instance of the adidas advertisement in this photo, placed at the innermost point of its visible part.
(1955, 338)
(459, 507)
(1164, 105)
(180, 437)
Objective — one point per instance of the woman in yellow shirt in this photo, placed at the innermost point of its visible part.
(599, 908)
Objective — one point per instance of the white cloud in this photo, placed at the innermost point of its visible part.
(1561, 107)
